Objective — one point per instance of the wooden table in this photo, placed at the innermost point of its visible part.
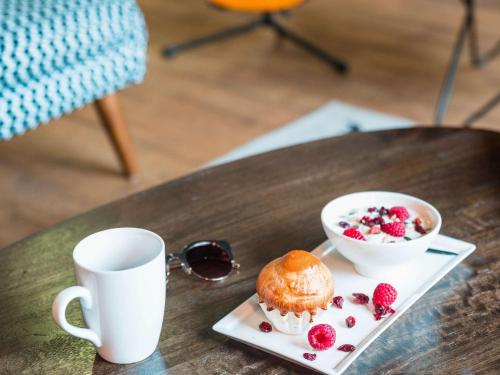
(264, 206)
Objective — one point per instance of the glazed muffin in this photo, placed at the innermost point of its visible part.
(293, 290)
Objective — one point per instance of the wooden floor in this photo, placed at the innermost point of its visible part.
(206, 102)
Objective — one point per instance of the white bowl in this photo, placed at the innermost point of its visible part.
(379, 259)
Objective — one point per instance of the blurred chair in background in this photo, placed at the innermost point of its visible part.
(468, 29)
(57, 56)
(267, 10)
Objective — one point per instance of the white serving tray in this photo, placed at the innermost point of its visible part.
(242, 323)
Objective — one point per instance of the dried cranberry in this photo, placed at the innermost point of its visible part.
(346, 348)
(350, 321)
(343, 224)
(361, 298)
(365, 220)
(310, 356)
(372, 209)
(265, 327)
(383, 211)
(420, 229)
(381, 311)
(338, 301)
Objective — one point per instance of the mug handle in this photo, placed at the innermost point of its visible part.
(59, 313)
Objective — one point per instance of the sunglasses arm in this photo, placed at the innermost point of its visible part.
(170, 257)
(174, 256)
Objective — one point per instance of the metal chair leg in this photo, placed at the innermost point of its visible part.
(336, 63)
(266, 19)
(173, 50)
(451, 72)
(482, 111)
(478, 59)
(467, 29)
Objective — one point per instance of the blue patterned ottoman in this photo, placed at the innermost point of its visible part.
(59, 55)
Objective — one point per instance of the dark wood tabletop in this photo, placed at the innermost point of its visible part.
(266, 205)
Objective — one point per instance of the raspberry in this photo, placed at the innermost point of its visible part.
(374, 230)
(350, 321)
(400, 212)
(346, 348)
(384, 295)
(396, 229)
(321, 336)
(265, 327)
(361, 298)
(338, 301)
(309, 356)
(354, 233)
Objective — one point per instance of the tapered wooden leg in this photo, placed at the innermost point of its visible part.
(108, 109)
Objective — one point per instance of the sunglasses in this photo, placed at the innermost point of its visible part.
(208, 260)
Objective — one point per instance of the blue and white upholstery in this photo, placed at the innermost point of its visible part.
(59, 55)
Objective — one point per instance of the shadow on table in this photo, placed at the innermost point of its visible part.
(154, 364)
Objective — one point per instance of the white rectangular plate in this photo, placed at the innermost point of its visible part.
(242, 323)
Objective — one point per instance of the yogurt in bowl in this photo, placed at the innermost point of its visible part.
(383, 225)
(349, 223)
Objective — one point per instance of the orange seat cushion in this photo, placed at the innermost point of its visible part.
(256, 5)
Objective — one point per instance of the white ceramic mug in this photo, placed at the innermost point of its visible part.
(121, 286)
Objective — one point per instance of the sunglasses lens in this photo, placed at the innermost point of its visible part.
(209, 261)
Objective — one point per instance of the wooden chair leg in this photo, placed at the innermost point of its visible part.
(111, 117)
